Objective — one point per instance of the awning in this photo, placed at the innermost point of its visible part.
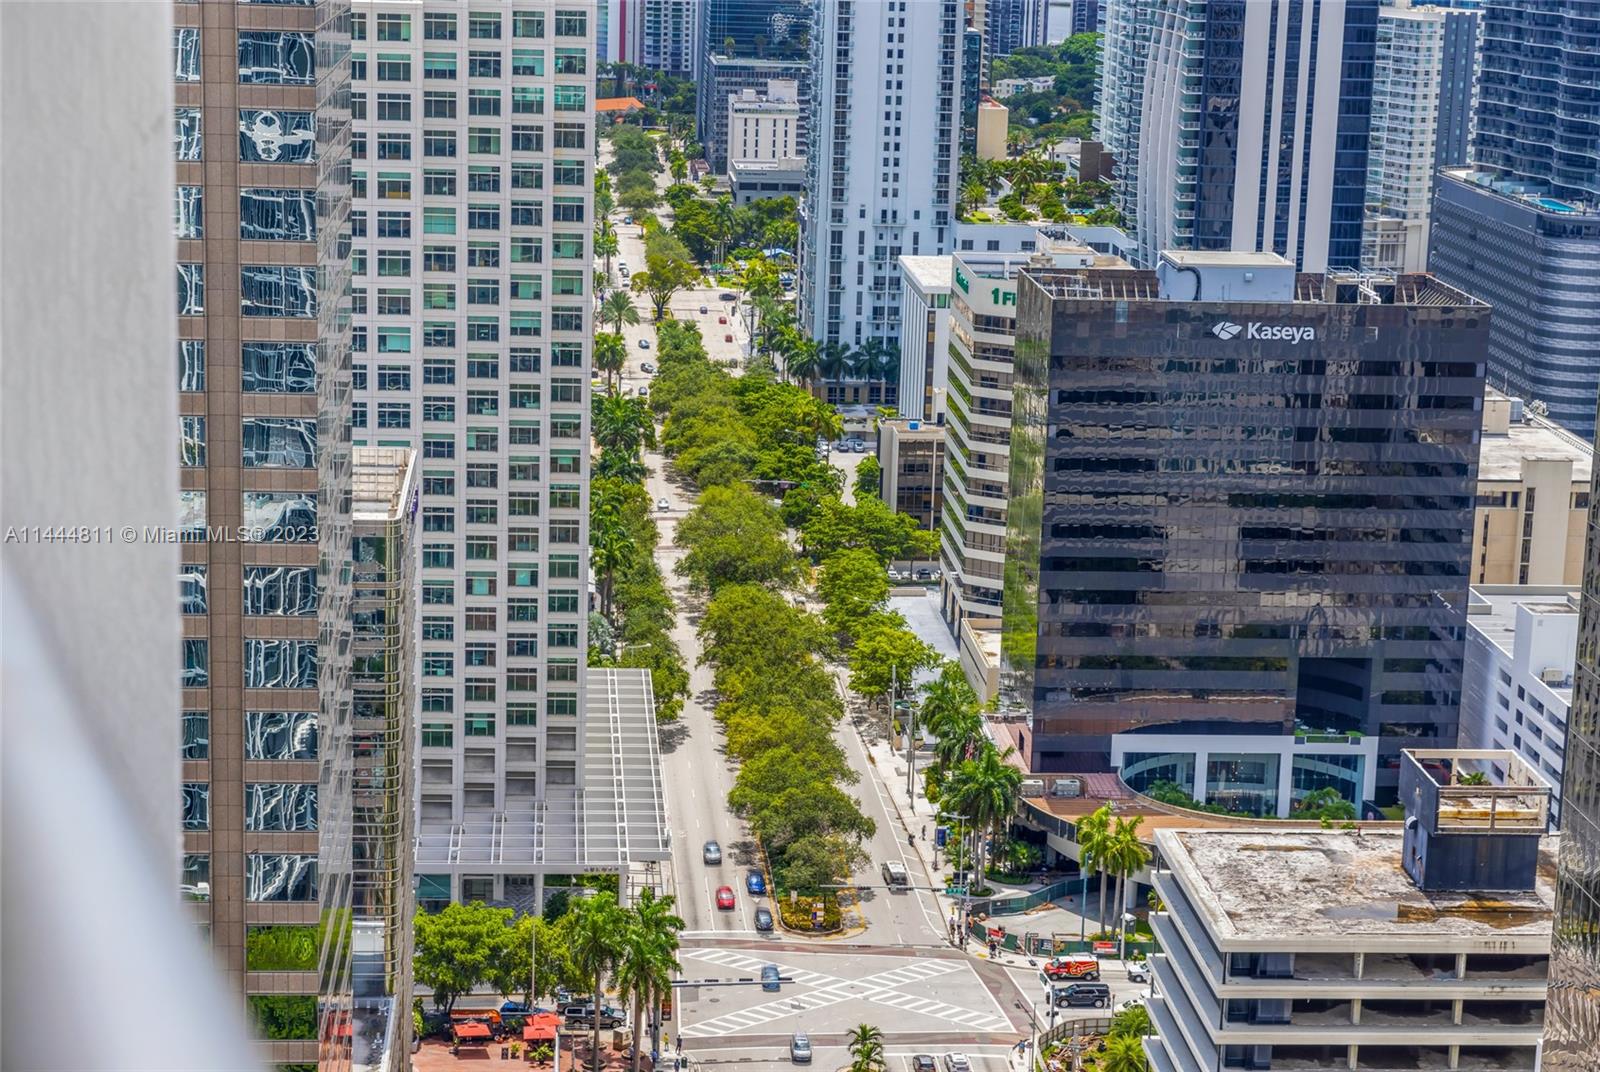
(541, 1027)
(471, 1030)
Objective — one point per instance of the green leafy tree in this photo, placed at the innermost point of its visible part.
(458, 948)
(811, 863)
(853, 587)
(611, 549)
(1123, 1053)
(887, 653)
(734, 536)
(782, 768)
(599, 928)
(1325, 803)
(1132, 1022)
(869, 478)
(951, 712)
(870, 525)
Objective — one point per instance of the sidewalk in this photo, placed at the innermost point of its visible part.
(918, 815)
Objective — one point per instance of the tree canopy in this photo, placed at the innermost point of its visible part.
(734, 536)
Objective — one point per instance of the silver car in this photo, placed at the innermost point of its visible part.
(800, 1048)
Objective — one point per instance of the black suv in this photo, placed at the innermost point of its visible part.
(1079, 995)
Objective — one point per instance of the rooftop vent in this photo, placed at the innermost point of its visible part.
(1473, 819)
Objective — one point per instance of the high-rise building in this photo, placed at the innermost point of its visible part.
(262, 142)
(1119, 95)
(1013, 24)
(881, 159)
(1421, 948)
(765, 126)
(1253, 125)
(745, 44)
(1422, 82)
(1086, 16)
(472, 222)
(384, 615)
(667, 40)
(1521, 226)
(1572, 1022)
(1240, 504)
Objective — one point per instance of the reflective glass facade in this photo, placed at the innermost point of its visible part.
(1239, 517)
(1572, 1019)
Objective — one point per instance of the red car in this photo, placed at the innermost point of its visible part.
(724, 896)
(722, 320)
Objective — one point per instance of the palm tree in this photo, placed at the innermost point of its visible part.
(1094, 845)
(610, 349)
(599, 925)
(866, 1049)
(677, 166)
(1123, 1053)
(973, 194)
(610, 549)
(1132, 1022)
(985, 789)
(606, 243)
(723, 219)
(621, 424)
(950, 711)
(649, 958)
(1127, 854)
(617, 310)
(833, 360)
(800, 358)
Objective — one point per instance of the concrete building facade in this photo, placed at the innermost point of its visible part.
(911, 456)
(472, 224)
(881, 159)
(1516, 692)
(723, 78)
(1361, 949)
(765, 126)
(1533, 498)
(924, 336)
(1422, 92)
(1013, 24)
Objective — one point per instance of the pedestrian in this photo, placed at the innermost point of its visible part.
(924, 831)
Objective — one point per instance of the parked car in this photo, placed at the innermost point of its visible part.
(727, 338)
(644, 392)
(725, 897)
(722, 320)
(704, 310)
(755, 882)
(519, 1008)
(895, 574)
(727, 295)
(770, 978)
(924, 1062)
(582, 1015)
(957, 1062)
(646, 367)
(800, 1048)
(627, 219)
(663, 504)
(858, 446)
(1083, 995)
(644, 344)
(711, 852)
(1138, 972)
(763, 919)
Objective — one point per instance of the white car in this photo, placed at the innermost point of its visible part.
(957, 1062)
(1138, 973)
(663, 504)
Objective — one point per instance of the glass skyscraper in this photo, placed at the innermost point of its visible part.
(1241, 504)
(1520, 228)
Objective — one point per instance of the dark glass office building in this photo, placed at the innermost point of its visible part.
(1242, 503)
(1521, 227)
(1572, 1012)
(744, 44)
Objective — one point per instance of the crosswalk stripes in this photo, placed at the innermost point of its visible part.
(880, 987)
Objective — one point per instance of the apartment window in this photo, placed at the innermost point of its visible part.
(439, 143)
(481, 548)
(481, 620)
(567, 173)
(483, 178)
(525, 100)
(483, 64)
(394, 225)
(394, 146)
(483, 292)
(438, 556)
(438, 219)
(392, 27)
(527, 139)
(439, 65)
(483, 141)
(483, 102)
(438, 371)
(570, 136)
(192, 442)
(571, 61)
(272, 57)
(439, 104)
(394, 262)
(394, 186)
(483, 26)
(394, 107)
(394, 67)
(483, 254)
(483, 439)
(570, 98)
(527, 24)
(437, 735)
(438, 259)
(483, 217)
(438, 295)
(572, 24)
(439, 27)
(438, 334)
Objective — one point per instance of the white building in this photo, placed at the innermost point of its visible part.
(1010, 87)
(1522, 645)
(765, 127)
(881, 159)
(1371, 948)
(667, 37)
(1124, 49)
(1243, 143)
(924, 336)
(472, 175)
(1421, 77)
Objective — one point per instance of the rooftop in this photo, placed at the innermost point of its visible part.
(1345, 890)
(929, 273)
(618, 104)
(1336, 287)
(615, 814)
(1492, 608)
(1512, 436)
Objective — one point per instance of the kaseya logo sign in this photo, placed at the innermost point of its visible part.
(1268, 332)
